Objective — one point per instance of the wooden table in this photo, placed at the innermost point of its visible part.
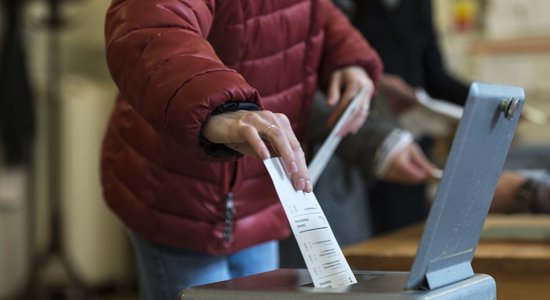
(513, 249)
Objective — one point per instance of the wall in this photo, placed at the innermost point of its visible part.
(94, 242)
(510, 44)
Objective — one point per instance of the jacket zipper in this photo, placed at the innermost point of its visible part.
(229, 207)
(229, 212)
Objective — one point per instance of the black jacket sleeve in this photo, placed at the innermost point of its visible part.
(439, 83)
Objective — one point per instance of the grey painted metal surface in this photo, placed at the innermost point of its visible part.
(295, 284)
(462, 201)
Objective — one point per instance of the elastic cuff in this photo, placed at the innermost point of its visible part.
(394, 143)
(541, 197)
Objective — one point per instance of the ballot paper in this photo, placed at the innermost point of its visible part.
(535, 116)
(437, 173)
(322, 254)
(319, 162)
(442, 107)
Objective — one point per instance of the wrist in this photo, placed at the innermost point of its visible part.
(394, 143)
(540, 193)
(221, 150)
(525, 195)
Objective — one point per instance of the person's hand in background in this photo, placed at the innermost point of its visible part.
(410, 166)
(398, 95)
(345, 83)
(517, 192)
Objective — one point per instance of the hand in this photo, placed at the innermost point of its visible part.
(344, 85)
(398, 94)
(506, 192)
(253, 133)
(409, 167)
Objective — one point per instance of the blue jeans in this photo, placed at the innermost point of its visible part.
(166, 270)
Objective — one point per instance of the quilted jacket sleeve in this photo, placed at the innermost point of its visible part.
(345, 46)
(163, 65)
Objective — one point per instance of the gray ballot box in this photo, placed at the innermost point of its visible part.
(442, 266)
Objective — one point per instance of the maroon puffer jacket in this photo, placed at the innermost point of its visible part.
(174, 62)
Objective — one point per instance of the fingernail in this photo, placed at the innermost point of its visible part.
(300, 185)
(309, 186)
(266, 153)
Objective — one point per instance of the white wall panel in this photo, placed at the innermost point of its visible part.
(95, 242)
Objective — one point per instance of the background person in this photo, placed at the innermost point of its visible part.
(404, 35)
(383, 156)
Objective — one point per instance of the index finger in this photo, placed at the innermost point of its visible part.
(281, 137)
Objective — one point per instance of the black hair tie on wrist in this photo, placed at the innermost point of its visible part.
(221, 150)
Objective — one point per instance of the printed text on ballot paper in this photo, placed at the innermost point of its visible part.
(324, 258)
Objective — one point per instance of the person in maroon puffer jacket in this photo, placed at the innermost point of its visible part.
(207, 90)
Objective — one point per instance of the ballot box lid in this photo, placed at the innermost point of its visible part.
(296, 284)
(462, 201)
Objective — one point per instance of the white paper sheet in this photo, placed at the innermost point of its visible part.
(319, 162)
(324, 258)
(442, 107)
